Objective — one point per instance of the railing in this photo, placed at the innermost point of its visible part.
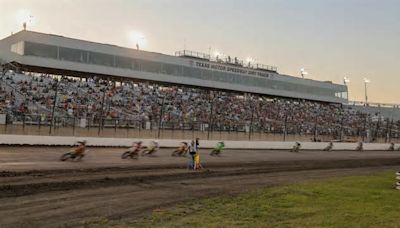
(378, 105)
(266, 67)
(227, 60)
(193, 54)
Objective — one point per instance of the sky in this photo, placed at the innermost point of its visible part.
(329, 38)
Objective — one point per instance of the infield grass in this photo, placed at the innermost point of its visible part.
(358, 201)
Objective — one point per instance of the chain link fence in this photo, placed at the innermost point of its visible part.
(270, 130)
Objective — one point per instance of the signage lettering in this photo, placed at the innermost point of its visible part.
(231, 69)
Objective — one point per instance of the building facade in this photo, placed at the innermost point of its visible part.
(47, 53)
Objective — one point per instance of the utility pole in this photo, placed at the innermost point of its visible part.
(161, 115)
(366, 96)
(251, 120)
(54, 106)
(366, 81)
(315, 127)
(341, 126)
(377, 127)
(390, 130)
(285, 127)
(365, 135)
(101, 111)
(210, 122)
(387, 130)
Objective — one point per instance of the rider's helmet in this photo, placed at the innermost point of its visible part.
(83, 142)
(139, 142)
(155, 143)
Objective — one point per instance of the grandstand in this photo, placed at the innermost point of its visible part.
(57, 85)
(65, 56)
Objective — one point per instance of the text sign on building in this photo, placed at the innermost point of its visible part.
(225, 68)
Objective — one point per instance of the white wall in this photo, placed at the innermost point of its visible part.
(2, 118)
(124, 142)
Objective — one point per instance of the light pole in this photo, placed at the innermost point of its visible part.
(366, 81)
(138, 38)
(218, 56)
(161, 116)
(25, 18)
(303, 72)
(141, 41)
(104, 90)
(346, 81)
(211, 115)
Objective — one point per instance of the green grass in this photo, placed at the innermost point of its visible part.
(360, 201)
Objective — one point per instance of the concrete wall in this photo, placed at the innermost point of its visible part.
(124, 142)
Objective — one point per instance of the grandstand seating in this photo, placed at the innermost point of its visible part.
(32, 95)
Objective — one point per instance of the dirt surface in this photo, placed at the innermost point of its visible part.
(36, 190)
(47, 158)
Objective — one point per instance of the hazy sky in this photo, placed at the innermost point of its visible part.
(330, 38)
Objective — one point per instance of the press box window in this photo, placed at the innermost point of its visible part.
(18, 48)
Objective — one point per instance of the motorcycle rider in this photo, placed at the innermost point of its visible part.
(296, 147)
(391, 148)
(218, 149)
(151, 148)
(329, 147)
(136, 147)
(80, 150)
(182, 149)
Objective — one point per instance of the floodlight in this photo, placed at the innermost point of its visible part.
(137, 38)
(250, 60)
(217, 54)
(24, 17)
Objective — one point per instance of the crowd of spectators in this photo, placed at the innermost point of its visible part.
(179, 106)
(7, 100)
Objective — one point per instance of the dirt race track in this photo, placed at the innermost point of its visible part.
(36, 190)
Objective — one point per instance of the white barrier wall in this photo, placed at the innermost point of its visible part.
(125, 142)
(2, 118)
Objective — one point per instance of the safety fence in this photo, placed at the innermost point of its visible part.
(270, 130)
